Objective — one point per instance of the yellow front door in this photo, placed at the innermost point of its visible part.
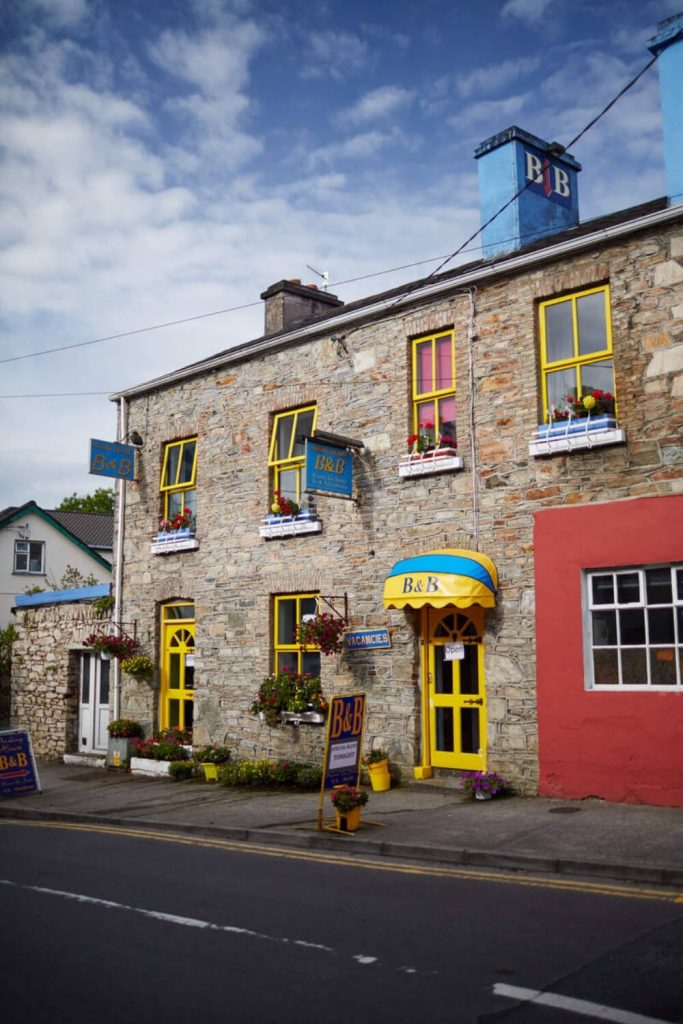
(454, 672)
(177, 674)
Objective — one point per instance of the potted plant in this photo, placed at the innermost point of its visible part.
(322, 630)
(181, 770)
(111, 645)
(123, 737)
(139, 666)
(210, 757)
(154, 756)
(593, 410)
(429, 452)
(376, 762)
(290, 696)
(347, 801)
(181, 525)
(283, 506)
(484, 785)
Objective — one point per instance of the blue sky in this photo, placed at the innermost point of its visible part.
(161, 160)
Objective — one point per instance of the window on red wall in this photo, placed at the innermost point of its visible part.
(635, 628)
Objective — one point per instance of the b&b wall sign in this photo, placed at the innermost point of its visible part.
(328, 469)
(110, 458)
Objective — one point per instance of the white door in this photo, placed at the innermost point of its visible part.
(93, 706)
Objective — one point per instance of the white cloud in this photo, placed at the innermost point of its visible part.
(62, 13)
(358, 147)
(489, 115)
(334, 54)
(496, 76)
(531, 11)
(377, 104)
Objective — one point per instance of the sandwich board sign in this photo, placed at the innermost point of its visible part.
(18, 772)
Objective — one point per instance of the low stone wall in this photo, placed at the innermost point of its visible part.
(45, 675)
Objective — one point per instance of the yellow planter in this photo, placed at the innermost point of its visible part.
(210, 771)
(380, 779)
(348, 821)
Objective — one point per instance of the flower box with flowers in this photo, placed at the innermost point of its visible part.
(580, 423)
(288, 519)
(429, 453)
(290, 698)
(177, 534)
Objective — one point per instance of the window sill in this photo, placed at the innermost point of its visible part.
(441, 460)
(289, 526)
(177, 540)
(576, 435)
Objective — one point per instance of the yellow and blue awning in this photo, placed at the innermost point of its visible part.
(439, 578)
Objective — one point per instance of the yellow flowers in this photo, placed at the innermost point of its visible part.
(588, 402)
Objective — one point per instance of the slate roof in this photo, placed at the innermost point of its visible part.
(94, 529)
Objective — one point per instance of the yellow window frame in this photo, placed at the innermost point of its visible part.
(433, 395)
(290, 461)
(576, 361)
(177, 486)
(292, 647)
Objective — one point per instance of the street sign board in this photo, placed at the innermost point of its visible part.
(109, 458)
(367, 640)
(328, 469)
(18, 772)
(345, 724)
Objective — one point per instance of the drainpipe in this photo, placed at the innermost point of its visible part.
(118, 555)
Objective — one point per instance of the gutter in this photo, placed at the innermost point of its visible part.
(436, 288)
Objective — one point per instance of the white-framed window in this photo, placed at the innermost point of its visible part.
(635, 628)
(29, 556)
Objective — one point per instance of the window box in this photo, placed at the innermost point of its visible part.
(302, 718)
(168, 541)
(306, 521)
(438, 460)
(576, 434)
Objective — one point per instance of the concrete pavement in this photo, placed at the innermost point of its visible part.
(423, 821)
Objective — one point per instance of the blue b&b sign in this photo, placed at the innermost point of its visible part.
(328, 469)
(18, 772)
(109, 458)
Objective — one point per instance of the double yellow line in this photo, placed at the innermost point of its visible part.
(602, 888)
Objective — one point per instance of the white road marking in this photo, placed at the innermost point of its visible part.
(580, 1006)
(193, 922)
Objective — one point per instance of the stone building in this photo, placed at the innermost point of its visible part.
(528, 568)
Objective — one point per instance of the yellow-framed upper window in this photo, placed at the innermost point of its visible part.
(287, 449)
(288, 612)
(433, 394)
(576, 347)
(179, 476)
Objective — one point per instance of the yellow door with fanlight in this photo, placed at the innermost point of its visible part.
(454, 664)
(177, 666)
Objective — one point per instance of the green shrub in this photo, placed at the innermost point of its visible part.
(211, 755)
(282, 774)
(181, 770)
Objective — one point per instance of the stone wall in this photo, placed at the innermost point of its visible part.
(45, 675)
(361, 386)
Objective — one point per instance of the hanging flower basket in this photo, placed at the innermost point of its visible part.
(111, 645)
(322, 631)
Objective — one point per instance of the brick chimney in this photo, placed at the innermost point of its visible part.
(507, 162)
(289, 303)
(668, 43)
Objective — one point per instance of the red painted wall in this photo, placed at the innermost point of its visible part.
(620, 746)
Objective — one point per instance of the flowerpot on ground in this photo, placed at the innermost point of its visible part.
(482, 796)
(210, 771)
(120, 749)
(380, 778)
(348, 821)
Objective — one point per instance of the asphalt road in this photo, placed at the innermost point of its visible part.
(107, 925)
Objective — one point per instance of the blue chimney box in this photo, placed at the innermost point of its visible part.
(537, 179)
(668, 43)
